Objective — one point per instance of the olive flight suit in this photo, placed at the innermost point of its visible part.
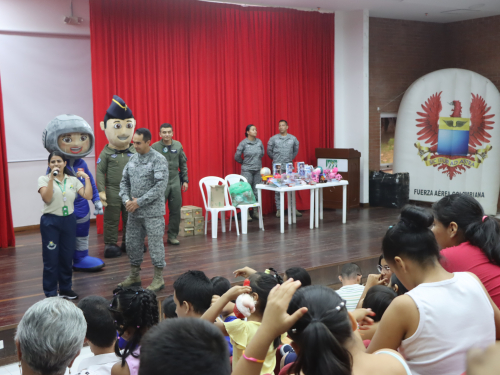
(176, 159)
(110, 167)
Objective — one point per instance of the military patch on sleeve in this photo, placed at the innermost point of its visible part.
(98, 160)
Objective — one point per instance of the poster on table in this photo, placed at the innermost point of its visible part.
(448, 137)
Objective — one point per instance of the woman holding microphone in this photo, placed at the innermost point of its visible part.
(58, 224)
(253, 150)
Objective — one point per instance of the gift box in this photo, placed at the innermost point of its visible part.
(186, 232)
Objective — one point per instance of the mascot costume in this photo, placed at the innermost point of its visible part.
(73, 136)
(118, 125)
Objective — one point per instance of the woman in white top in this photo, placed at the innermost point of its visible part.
(324, 335)
(58, 224)
(444, 314)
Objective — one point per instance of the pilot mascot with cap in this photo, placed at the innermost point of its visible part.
(118, 125)
(73, 136)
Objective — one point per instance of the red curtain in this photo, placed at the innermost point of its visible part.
(211, 69)
(6, 225)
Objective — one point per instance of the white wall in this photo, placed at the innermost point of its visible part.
(351, 87)
(45, 69)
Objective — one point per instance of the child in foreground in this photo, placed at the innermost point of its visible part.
(241, 332)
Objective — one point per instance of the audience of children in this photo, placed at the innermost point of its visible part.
(470, 240)
(185, 346)
(241, 331)
(135, 311)
(430, 305)
(323, 333)
(192, 294)
(100, 336)
(443, 314)
(351, 290)
(168, 307)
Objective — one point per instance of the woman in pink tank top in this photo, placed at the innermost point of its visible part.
(470, 240)
(444, 314)
(135, 311)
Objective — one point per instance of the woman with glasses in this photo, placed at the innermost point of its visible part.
(469, 240)
(444, 314)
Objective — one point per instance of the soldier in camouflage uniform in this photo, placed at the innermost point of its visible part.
(142, 190)
(253, 150)
(118, 125)
(176, 158)
(282, 148)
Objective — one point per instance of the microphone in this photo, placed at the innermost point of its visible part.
(55, 173)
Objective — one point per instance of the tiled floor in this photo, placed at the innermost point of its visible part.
(13, 369)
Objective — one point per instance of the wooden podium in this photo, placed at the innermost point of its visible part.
(347, 160)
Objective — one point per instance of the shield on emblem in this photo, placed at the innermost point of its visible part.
(453, 136)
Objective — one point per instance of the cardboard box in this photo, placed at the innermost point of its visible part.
(197, 211)
(199, 222)
(186, 232)
(216, 196)
(198, 231)
(186, 212)
(187, 223)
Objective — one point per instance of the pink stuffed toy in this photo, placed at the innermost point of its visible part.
(245, 305)
(335, 170)
(315, 175)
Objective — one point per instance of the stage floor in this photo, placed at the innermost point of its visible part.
(332, 243)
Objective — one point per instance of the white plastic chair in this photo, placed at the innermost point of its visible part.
(231, 179)
(214, 212)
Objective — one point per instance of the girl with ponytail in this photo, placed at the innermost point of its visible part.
(444, 314)
(324, 335)
(135, 311)
(470, 240)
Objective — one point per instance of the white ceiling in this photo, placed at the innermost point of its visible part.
(415, 10)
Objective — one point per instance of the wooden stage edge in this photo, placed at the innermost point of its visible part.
(322, 251)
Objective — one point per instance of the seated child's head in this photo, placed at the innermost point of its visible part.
(220, 285)
(350, 274)
(261, 284)
(298, 273)
(397, 285)
(101, 331)
(135, 311)
(192, 294)
(168, 307)
(378, 298)
(184, 346)
(322, 334)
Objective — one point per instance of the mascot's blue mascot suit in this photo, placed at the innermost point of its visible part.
(73, 136)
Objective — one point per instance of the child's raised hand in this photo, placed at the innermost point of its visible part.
(362, 316)
(214, 299)
(276, 320)
(235, 291)
(244, 272)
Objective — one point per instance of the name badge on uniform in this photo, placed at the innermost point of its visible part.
(174, 151)
(165, 149)
(114, 156)
(65, 211)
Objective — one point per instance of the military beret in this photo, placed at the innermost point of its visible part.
(118, 109)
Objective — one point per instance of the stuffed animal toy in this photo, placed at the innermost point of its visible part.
(315, 175)
(245, 305)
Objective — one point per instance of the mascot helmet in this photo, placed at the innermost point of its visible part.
(67, 124)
